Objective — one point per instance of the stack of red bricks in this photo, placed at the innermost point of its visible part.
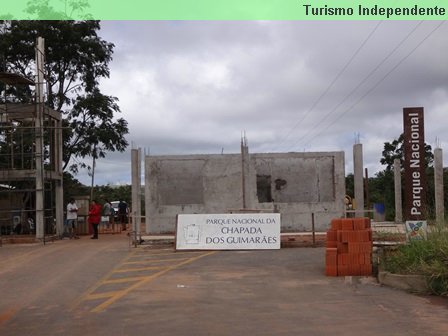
(349, 247)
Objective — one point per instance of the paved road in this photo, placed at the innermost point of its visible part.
(104, 287)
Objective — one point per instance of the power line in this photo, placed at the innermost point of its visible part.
(323, 94)
(380, 81)
(359, 84)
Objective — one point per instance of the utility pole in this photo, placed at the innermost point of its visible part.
(397, 190)
(93, 173)
(358, 179)
(39, 137)
(438, 184)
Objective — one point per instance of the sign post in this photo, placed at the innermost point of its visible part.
(414, 170)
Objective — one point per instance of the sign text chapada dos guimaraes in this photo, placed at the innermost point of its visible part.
(228, 232)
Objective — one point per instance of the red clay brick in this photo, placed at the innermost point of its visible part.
(331, 260)
(331, 270)
(358, 224)
(332, 244)
(353, 247)
(366, 270)
(353, 258)
(336, 224)
(365, 247)
(345, 236)
(367, 223)
(361, 259)
(332, 235)
(353, 237)
(342, 247)
(364, 235)
(343, 270)
(367, 258)
(354, 269)
(347, 224)
(343, 259)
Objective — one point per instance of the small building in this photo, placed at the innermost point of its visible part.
(302, 187)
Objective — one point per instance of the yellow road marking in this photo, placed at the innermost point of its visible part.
(137, 255)
(97, 285)
(148, 261)
(138, 269)
(123, 280)
(124, 292)
(102, 295)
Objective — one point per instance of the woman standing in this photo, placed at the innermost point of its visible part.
(94, 217)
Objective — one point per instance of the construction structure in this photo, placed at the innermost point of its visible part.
(31, 193)
(307, 189)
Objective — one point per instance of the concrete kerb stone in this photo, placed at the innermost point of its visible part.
(411, 283)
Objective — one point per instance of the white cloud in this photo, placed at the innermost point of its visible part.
(193, 87)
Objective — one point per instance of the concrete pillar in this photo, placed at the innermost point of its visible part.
(39, 138)
(397, 188)
(359, 183)
(245, 171)
(136, 192)
(147, 195)
(59, 184)
(438, 184)
(59, 195)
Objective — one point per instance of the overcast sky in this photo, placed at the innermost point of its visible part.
(193, 87)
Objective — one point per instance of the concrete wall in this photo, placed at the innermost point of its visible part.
(295, 184)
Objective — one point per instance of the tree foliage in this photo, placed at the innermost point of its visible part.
(76, 59)
(381, 187)
(42, 10)
(395, 150)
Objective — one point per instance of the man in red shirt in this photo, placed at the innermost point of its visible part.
(94, 217)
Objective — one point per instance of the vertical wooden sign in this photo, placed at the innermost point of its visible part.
(414, 164)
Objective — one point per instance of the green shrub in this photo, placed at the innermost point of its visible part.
(424, 257)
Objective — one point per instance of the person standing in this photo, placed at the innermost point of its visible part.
(72, 216)
(94, 217)
(107, 212)
(123, 214)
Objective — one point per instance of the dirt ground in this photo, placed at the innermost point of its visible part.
(107, 287)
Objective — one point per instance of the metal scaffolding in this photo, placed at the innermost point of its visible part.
(31, 194)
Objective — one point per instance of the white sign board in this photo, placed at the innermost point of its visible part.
(228, 232)
(416, 230)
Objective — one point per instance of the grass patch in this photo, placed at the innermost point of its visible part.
(425, 257)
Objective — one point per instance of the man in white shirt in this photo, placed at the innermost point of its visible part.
(72, 216)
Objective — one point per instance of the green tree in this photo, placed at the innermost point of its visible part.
(395, 150)
(42, 10)
(382, 186)
(381, 190)
(76, 58)
(350, 185)
(113, 193)
(73, 188)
